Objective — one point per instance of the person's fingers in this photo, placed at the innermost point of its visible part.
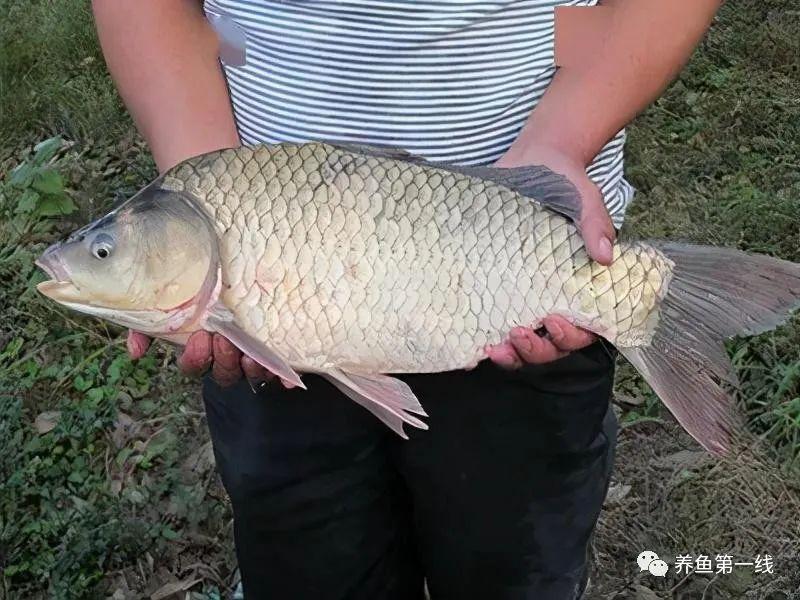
(226, 369)
(254, 371)
(596, 227)
(533, 348)
(137, 344)
(504, 355)
(197, 355)
(565, 336)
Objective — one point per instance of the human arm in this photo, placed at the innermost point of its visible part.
(639, 50)
(163, 58)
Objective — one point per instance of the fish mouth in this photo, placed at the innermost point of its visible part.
(60, 286)
(60, 291)
(50, 263)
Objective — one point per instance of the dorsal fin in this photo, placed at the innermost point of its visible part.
(536, 182)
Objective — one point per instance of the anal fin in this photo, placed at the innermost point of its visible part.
(388, 398)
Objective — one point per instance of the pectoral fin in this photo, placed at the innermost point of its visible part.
(258, 351)
(388, 398)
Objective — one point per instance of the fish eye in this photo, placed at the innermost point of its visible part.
(102, 246)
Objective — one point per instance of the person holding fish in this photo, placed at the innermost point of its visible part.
(499, 499)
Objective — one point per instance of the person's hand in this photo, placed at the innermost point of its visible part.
(205, 350)
(525, 345)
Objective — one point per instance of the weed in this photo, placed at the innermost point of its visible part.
(92, 445)
(715, 161)
(54, 79)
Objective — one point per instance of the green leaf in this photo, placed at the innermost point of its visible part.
(77, 476)
(67, 205)
(21, 175)
(95, 394)
(14, 569)
(53, 206)
(12, 348)
(170, 534)
(46, 149)
(27, 202)
(123, 455)
(114, 371)
(82, 384)
(48, 181)
(148, 407)
(631, 417)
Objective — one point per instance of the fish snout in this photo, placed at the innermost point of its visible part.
(50, 262)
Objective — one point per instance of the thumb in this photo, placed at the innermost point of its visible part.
(595, 225)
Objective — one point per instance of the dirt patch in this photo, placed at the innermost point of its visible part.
(669, 497)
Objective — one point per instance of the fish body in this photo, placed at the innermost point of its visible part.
(335, 258)
(356, 263)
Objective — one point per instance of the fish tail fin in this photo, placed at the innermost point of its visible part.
(714, 294)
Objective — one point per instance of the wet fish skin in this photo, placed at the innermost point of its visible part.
(339, 259)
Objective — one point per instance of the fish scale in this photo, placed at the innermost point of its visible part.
(426, 229)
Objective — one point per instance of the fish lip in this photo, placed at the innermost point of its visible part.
(50, 263)
(60, 291)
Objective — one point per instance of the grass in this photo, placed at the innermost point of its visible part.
(717, 160)
(54, 79)
(105, 483)
(98, 455)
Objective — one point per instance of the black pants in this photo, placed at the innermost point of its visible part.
(497, 500)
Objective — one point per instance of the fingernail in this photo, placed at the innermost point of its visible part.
(606, 248)
(555, 330)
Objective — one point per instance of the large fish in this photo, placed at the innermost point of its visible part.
(355, 263)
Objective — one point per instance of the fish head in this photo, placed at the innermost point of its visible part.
(152, 256)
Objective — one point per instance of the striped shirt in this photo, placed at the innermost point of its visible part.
(449, 80)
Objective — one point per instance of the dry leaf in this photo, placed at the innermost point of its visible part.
(201, 461)
(124, 429)
(47, 421)
(616, 492)
(644, 593)
(626, 399)
(172, 588)
(683, 459)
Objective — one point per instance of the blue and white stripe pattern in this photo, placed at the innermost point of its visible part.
(450, 80)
